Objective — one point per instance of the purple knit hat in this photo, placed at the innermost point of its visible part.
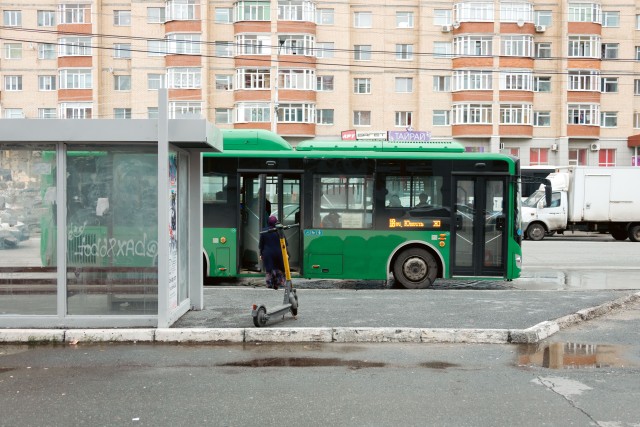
(272, 220)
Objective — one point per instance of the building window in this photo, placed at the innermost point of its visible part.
(472, 80)
(46, 83)
(224, 81)
(441, 118)
(469, 114)
(183, 44)
(404, 84)
(538, 156)
(442, 17)
(46, 51)
(404, 19)
(584, 80)
(122, 113)
(295, 44)
(584, 114)
(223, 15)
(122, 18)
(607, 157)
(155, 81)
(12, 83)
(223, 116)
(122, 50)
(74, 46)
(516, 80)
(362, 52)
(610, 19)
(610, 50)
(516, 12)
(362, 85)
(253, 44)
(584, 46)
(46, 18)
(542, 118)
(75, 110)
(324, 116)
(13, 113)
(252, 11)
(636, 87)
(184, 78)
(74, 13)
(637, 22)
(442, 83)
(637, 53)
(152, 113)
(122, 83)
(183, 10)
(608, 119)
(324, 50)
(304, 79)
(517, 45)
(156, 48)
(155, 15)
(75, 78)
(585, 12)
(223, 49)
(543, 50)
(473, 46)
(543, 17)
(185, 110)
(12, 18)
(13, 51)
(47, 113)
(296, 113)
(542, 84)
(473, 11)
(324, 17)
(324, 83)
(403, 118)
(404, 51)
(441, 49)
(609, 84)
(253, 112)
(515, 114)
(246, 78)
(362, 118)
(577, 157)
(362, 19)
(296, 11)
(513, 151)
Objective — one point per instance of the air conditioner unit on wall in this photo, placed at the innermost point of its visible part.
(540, 28)
(554, 147)
(446, 28)
(594, 146)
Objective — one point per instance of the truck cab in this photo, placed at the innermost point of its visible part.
(539, 219)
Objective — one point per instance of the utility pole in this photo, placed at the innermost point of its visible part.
(274, 122)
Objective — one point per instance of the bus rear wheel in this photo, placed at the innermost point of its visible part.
(415, 268)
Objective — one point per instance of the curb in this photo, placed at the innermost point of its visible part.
(530, 335)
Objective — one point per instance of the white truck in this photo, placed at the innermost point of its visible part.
(588, 199)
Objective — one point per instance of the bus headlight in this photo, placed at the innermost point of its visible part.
(519, 261)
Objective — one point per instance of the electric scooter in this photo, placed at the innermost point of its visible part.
(290, 302)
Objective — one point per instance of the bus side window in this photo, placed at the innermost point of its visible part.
(331, 220)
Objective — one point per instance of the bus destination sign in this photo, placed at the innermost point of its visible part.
(409, 223)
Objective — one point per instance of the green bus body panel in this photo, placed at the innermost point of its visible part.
(253, 139)
(222, 256)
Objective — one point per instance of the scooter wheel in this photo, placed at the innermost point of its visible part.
(260, 319)
(293, 300)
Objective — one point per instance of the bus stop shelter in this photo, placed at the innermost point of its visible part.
(121, 199)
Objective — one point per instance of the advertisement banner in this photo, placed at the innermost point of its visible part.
(409, 136)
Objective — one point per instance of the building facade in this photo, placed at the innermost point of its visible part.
(553, 83)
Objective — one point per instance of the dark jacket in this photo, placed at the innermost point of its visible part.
(270, 251)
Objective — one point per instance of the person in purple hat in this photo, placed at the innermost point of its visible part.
(271, 256)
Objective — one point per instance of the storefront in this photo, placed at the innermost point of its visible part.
(128, 220)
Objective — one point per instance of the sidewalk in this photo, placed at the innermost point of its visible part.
(373, 313)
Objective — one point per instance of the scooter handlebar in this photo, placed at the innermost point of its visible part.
(279, 227)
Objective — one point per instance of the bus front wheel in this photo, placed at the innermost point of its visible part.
(415, 268)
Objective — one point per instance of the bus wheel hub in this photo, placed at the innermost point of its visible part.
(415, 269)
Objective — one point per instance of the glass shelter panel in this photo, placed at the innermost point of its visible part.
(112, 243)
(27, 218)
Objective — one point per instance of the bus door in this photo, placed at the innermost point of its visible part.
(262, 195)
(479, 240)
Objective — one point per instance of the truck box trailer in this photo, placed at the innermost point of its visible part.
(589, 199)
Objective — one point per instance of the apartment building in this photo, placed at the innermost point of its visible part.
(553, 83)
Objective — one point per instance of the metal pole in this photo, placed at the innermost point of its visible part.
(274, 122)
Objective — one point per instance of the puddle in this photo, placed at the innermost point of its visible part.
(578, 279)
(304, 362)
(438, 365)
(575, 356)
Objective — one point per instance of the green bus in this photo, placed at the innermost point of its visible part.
(369, 210)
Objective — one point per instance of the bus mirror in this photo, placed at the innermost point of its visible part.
(547, 192)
